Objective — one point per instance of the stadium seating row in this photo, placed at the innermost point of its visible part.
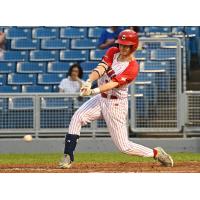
(81, 55)
(83, 32)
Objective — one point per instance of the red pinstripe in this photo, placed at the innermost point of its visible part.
(114, 111)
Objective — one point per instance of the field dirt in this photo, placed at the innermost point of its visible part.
(115, 167)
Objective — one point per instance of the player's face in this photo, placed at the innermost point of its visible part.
(75, 73)
(125, 50)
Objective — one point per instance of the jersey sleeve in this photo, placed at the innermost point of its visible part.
(62, 84)
(108, 57)
(128, 75)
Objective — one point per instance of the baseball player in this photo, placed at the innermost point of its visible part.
(114, 73)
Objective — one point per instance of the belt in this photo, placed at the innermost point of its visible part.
(104, 95)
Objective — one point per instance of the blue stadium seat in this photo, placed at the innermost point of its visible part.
(20, 103)
(25, 44)
(97, 54)
(3, 79)
(192, 31)
(157, 29)
(55, 44)
(162, 73)
(163, 54)
(46, 79)
(21, 79)
(15, 56)
(146, 77)
(42, 55)
(59, 67)
(155, 65)
(7, 67)
(36, 88)
(85, 75)
(178, 29)
(141, 55)
(95, 32)
(45, 32)
(76, 55)
(31, 67)
(149, 91)
(151, 45)
(84, 43)
(172, 45)
(73, 32)
(89, 65)
(17, 33)
(55, 103)
(10, 89)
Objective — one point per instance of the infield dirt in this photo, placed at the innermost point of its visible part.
(116, 167)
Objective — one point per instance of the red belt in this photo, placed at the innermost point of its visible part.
(104, 95)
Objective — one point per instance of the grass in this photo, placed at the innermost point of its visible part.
(87, 157)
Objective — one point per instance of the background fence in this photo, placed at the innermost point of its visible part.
(39, 58)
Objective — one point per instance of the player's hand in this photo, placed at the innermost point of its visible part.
(86, 92)
(86, 85)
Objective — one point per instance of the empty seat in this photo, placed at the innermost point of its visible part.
(55, 44)
(45, 32)
(141, 55)
(155, 66)
(146, 77)
(15, 56)
(55, 103)
(20, 103)
(168, 45)
(3, 79)
(42, 55)
(163, 54)
(83, 43)
(36, 88)
(95, 32)
(17, 33)
(73, 32)
(10, 89)
(21, 79)
(157, 29)
(7, 67)
(25, 44)
(97, 54)
(46, 79)
(162, 73)
(89, 65)
(81, 55)
(149, 91)
(31, 67)
(59, 67)
(178, 29)
(192, 31)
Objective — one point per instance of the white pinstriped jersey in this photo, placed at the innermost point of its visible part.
(122, 72)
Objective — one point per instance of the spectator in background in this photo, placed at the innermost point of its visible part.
(2, 43)
(108, 37)
(134, 28)
(73, 82)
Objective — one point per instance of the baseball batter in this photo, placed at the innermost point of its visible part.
(114, 73)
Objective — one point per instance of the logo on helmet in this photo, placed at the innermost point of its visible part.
(123, 37)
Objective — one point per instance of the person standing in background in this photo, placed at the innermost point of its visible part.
(73, 82)
(108, 37)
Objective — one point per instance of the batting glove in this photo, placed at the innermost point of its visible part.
(90, 92)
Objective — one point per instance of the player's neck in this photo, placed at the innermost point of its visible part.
(123, 58)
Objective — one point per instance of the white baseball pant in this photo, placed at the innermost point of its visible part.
(114, 112)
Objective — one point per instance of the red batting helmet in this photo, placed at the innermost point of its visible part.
(128, 37)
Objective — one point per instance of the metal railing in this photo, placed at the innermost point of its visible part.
(43, 115)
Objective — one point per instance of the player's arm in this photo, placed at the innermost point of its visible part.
(97, 72)
(103, 88)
